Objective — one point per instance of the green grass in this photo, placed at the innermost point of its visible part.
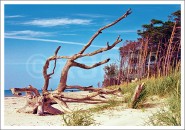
(78, 118)
(171, 116)
(161, 86)
(155, 86)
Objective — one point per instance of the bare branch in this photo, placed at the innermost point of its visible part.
(60, 57)
(54, 62)
(90, 67)
(102, 49)
(46, 66)
(101, 29)
(56, 52)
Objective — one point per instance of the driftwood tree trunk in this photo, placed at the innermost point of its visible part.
(42, 104)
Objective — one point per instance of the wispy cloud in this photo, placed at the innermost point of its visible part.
(27, 33)
(57, 22)
(53, 41)
(93, 15)
(14, 16)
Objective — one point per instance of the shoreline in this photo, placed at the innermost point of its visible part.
(8, 93)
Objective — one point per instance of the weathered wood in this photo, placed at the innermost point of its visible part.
(103, 28)
(30, 88)
(41, 104)
(61, 103)
(45, 68)
(137, 94)
(83, 66)
(71, 62)
(31, 105)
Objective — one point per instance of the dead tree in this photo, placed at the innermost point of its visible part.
(42, 103)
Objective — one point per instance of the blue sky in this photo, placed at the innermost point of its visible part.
(33, 32)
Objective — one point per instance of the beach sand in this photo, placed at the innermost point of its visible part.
(118, 116)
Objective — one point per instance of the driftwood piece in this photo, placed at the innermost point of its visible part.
(30, 89)
(135, 99)
(42, 103)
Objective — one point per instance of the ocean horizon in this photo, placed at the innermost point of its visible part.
(8, 93)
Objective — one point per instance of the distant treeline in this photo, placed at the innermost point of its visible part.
(157, 52)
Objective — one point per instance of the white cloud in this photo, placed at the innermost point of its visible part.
(57, 22)
(14, 16)
(53, 41)
(27, 33)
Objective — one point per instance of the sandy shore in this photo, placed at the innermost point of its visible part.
(119, 116)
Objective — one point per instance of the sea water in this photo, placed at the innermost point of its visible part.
(8, 93)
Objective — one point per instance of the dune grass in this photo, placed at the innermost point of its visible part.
(161, 86)
(155, 86)
(171, 116)
(168, 87)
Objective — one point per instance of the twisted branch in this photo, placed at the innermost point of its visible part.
(83, 66)
(103, 28)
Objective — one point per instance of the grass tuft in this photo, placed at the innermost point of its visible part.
(78, 118)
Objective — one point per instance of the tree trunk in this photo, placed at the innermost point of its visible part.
(64, 75)
(148, 75)
(157, 59)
